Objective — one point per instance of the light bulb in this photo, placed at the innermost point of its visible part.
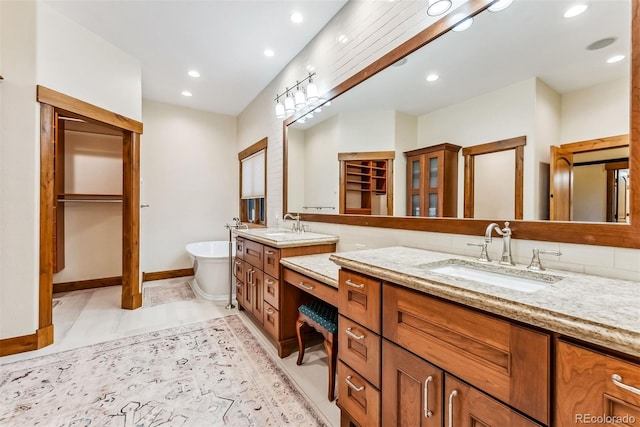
(312, 92)
(280, 113)
(300, 100)
(289, 105)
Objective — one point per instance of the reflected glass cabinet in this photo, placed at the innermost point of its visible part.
(432, 181)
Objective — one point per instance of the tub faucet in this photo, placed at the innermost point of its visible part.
(296, 226)
(505, 258)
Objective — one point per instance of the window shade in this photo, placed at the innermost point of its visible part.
(253, 176)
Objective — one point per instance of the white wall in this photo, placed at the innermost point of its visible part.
(321, 173)
(595, 112)
(19, 171)
(189, 171)
(375, 28)
(406, 135)
(30, 33)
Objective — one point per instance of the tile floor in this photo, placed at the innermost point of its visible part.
(87, 317)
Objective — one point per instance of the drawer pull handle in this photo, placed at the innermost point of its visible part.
(352, 335)
(269, 252)
(354, 285)
(270, 282)
(239, 285)
(453, 394)
(427, 412)
(269, 311)
(303, 286)
(352, 385)
(238, 262)
(617, 380)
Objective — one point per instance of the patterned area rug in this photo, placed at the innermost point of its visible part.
(163, 294)
(213, 373)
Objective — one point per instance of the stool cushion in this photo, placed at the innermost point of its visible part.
(322, 313)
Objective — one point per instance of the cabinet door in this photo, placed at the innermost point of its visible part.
(415, 177)
(467, 407)
(594, 388)
(257, 290)
(412, 389)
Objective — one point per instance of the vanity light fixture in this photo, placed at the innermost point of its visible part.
(297, 97)
(186, 93)
(438, 7)
(615, 58)
(575, 10)
(500, 5)
(193, 73)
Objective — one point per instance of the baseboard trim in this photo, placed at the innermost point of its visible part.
(167, 274)
(87, 284)
(40, 338)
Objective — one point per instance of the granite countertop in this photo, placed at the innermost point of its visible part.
(318, 267)
(283, 238)
(598, 310)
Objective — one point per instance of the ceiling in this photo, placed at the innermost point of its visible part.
(529, 39)
(223, 40)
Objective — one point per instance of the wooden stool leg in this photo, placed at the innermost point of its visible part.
(299, 325)
(332, 354)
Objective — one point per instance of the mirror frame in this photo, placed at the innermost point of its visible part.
(602, 234)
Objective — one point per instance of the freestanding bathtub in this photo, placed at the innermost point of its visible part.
(211, 266)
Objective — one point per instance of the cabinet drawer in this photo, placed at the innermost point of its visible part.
(359, 299)
(585, 387)
(271, 258)
(240, 289)
(271, 291)
(466, 406)
(238, 269)
(253, 253)
(359, 348)
(357, 397)
(239, 247)
(509, 362)
(271, 320)
(326, 293)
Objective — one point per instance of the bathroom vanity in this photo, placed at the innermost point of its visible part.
(456, 351)
(259, 279)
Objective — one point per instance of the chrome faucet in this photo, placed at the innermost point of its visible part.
(296, 226)
(238, 224)
(505, 258)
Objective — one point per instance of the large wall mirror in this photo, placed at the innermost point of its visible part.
(526, 71)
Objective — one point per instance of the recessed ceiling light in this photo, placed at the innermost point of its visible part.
(296, 17)
(615, 58)
(400, 62)
(464, 25)
(438, 7)
(310, 68)
(193, 73)
(575, 10)
(269, 52)
(186, 93)
(432, 77)
(342, 38)
(500, 5)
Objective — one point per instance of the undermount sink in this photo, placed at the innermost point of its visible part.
(519, 280)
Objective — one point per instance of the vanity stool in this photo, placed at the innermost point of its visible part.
(323, 318)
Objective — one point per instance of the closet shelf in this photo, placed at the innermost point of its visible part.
(92, 198)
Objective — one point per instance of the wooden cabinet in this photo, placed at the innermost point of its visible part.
(260, 288)
(412, 390)
(432, 181)
(468, 407)
(594, 388)
(359, 351)
(366, 183)
(507, 361)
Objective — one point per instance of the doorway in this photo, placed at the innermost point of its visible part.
(52, 105)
